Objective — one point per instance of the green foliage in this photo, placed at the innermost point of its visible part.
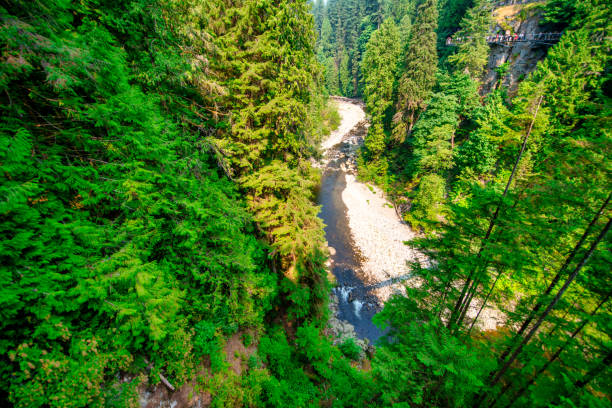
(346, 385)
(452, 13)
(379, 64)
(206, 344)
(502, 237)
(332, 82)
(204, 341)
(420, 363)
(289, 385)
(428, 198)
(346, 26)
(325, 40)
(322, 119)
(344, 74)
(268, 103)
(247, 339)
(64, 379)
(472, 55)
(419, 72)
(155, 176)
(479, 152)
(560, 13)
(526, 175)
(350, 350)
(396, 9)
(433, 135)
(121, 231)
(332, 117)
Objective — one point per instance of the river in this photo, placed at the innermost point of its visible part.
(369, 257)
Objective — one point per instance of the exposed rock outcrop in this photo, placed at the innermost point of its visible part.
(522, 57)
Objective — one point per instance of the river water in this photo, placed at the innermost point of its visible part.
(355, 304)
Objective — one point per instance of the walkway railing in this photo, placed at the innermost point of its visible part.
(502, 3)
(502, 39)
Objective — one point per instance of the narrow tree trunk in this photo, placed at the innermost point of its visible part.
(562, 319)
(554, 282)
(446, 289)
(552, 304)
(590, 375)
(493, 220)
(470, 294)
(484, 303)
(469, 298)
(594, 371)
(492, 287)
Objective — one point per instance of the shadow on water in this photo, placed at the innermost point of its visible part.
(356, 305)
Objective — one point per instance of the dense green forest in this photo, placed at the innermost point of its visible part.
(511, 189)
(157, 202)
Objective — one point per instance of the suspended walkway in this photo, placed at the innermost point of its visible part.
(510, 39)
(503, 3)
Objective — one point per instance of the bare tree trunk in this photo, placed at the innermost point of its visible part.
(484, 303)
(594, 371)
(493, 220)
(555, 280)
(590, 375)
(468, 301)
(552, 304)
(496, 376)
(470, 294)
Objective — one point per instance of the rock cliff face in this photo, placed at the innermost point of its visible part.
(522, 57)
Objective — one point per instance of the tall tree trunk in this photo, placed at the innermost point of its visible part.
(552, 304)
(484, 303)
(445, 291)
(594, 371)
(563, 318)
(461, 300)
(470, 295)
(590, 375)
(558, 352)
(554, 282)
(475, 284)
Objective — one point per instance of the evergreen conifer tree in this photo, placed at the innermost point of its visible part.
(379, 64)
(473, 53)
(419, 72)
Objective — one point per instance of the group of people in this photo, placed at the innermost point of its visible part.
(499, 38)
(523, 37)
(511, 2)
